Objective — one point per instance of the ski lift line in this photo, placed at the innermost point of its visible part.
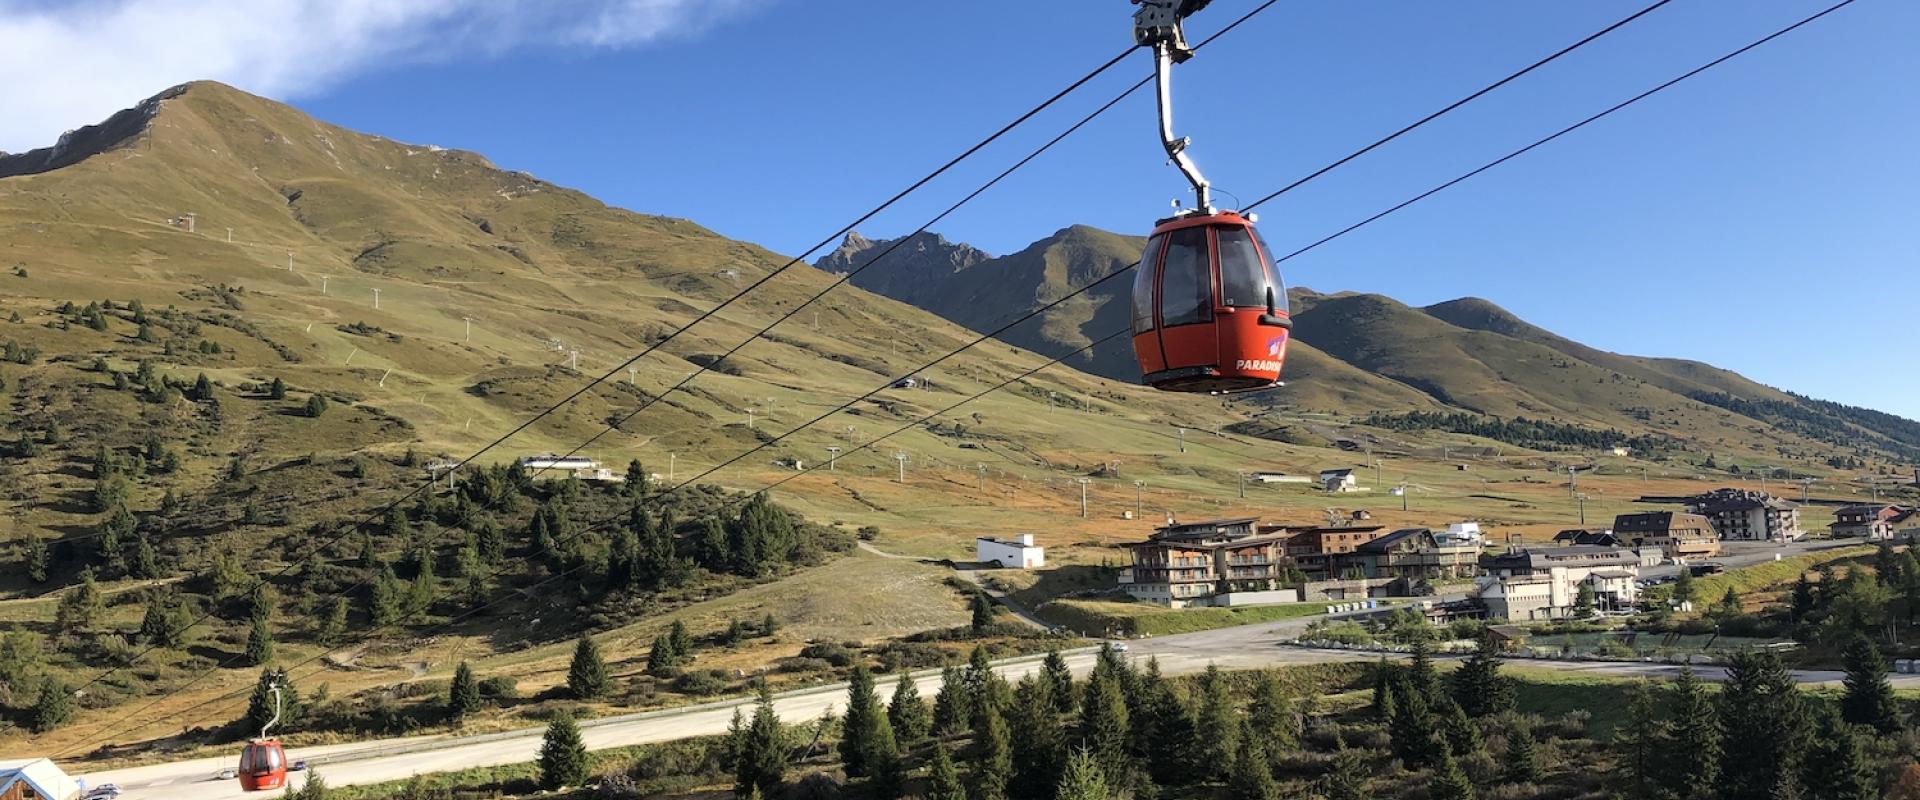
(1460, 102)
(618, 368)
(903, 240)
(1570, 128)
(1123, 270)
(508, 594)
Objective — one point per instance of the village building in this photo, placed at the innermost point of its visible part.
(1220, 561)
(1870, 522)
(1748, 516)
(1679, 535)
(1416, 555)
(1016, 553)
(1338, 480)
(1544, 584)
(36, 779)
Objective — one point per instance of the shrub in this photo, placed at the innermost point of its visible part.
(803, 664)
(835, 654)
(701, 682)
(499, 687)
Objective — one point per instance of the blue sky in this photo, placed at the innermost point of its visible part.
(1759, 217)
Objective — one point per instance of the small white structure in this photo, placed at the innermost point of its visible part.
(36, 778)
(1019, 553)
(1338, 480)
(1460, 534)
(1278, 477)
(585, 469)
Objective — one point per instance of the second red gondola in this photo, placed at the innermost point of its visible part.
(1209, 310)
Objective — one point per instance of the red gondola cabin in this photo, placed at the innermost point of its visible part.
(263, 765)
(1209, 310)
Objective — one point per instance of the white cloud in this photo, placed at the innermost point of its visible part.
(63, 65)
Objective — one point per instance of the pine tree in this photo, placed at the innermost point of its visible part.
(263, 706)
(1583, 601)
(158, 627)
(463, 695)
(950, 712)
(982, 608)
(1869, 697)
(711, 548)
(1449, 782)
(563, 756)
(992, 754)
(1057, 672)
(768, 625)
(1478, 686)
(38, 559)
(1523, 759)
(1033, 722)
(144, 562)
(1164, 732)
(313, 788)
(943, 778)
(1463, 737)
(1272, 714)
(1415, 732)
(1216, 724)
(1082, 779)
(383, 597)
(885, 763)
(259, 643)
(1689, 763)
(587, 676)
(53, 708)
(662, 662)
(1104, 722)
(911, 718)
(862, 707)
(1349, 778)
(1683, 587)
(1641, 743)
(1802, 605)
(681, 640)
(1838, 767)
(277, 390)
(1421, 677)
(761, 764)
(1761, 702)
(82, 606)
(333, 626)
(1251, 778)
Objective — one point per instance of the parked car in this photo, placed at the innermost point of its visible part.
(298, 765)
(105, 791)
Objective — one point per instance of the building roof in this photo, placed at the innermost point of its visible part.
(1659, 522)
(1547, 558)
(46, 778)
(1007, 542)
(1335, 473)
(1611, 573)
(1383, 542)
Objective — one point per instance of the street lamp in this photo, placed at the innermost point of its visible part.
(833, 455)
(1083, 497)
(1137, 485)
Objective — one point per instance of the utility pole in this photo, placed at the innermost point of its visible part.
(229, 236)
(289, 260)
(749, 419)
(468, 335)
(1243, 485)
(1806, 489)
(350, 356)
(1376, 473)
(633, 375)
(1583, 509)
(323, 284)
(902, 458)
(1404, 491)
(1572, 480)
(1052, 401)
(1643, 473)
(1137, 485)
(1083, 497)
(383, 378)
(833, 457)
(1181, 434)
(982, 482)
(376, 299)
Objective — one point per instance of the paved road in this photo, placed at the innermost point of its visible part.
(1746, 554)
(395, 759)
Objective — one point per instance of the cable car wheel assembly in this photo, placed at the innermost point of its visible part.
(1209, 311)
